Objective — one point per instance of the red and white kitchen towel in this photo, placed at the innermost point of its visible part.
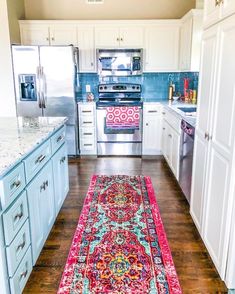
(123, 117)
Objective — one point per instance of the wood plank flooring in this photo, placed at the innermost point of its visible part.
(195, 269)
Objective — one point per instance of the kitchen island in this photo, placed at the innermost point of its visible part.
(33, 186)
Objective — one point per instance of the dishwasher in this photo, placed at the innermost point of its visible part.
(186, 158)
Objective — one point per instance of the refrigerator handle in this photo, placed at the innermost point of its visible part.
(44, 88)
(38, 75)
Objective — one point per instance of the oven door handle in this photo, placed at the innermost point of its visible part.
(104, 107)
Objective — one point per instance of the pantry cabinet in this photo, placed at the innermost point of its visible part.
(217, 10)
(125, 36)
(190, 40)
(152, 129)
(213, 198)
(162, 47)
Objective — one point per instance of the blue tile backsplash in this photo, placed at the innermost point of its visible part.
(154, 85)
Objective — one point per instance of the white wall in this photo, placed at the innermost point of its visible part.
(16, 11)
(7, 95)
(111, 9)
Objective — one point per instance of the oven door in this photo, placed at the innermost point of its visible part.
(116, 135)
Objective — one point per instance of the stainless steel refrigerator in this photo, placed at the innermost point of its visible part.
(46, 81)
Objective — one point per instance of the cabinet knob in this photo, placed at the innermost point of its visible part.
(170, 136)
(163, 129)
(206, 136)
(218, 2)
(92, 63)
(47, 39)
(121, 39)
(53, 39)
(146, 124)
(118, 39)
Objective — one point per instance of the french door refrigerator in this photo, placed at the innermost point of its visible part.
(46, 81)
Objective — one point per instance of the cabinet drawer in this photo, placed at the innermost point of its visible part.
(87, 144)
(87, 133)
(86, 109)
(87, 121)
(17, 249)
(172, 119)
(57, 139)
(36, 160)
(11, 185)
(22, 274)
(152, 109)
(14, 218)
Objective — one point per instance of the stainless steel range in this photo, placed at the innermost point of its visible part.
(119, 119)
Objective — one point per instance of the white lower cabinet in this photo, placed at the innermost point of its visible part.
(152, 129)
(41, 208)
(60, 176)
(171, 136)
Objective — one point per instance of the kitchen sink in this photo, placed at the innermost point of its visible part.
(188, 109)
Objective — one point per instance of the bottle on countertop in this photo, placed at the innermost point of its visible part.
(171, 90)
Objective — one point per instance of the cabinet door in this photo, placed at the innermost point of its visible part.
(199, 179)
(152, 135)
(227, 8)
(40, 194)
(168, 142)
(164, 135)
(60, 174)
(63, 35)
(85, 43)
(185, 44)
(219, 197)
(162, 48)
(131, 37)
(175, 152)
(107, 37)
(211, 12)
(34, 35)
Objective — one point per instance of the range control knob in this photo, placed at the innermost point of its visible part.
(101, 88)
(137, 87)
(105, 87)
(133, 87)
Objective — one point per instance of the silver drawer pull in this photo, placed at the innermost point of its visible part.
(163, 129)
(163, 113)
(40, 159)
(16, 184)
(86, 111)
(87, 134)
(170, 136)
(18, 216)
(23, 274)
(21, 246)
(60, 138)
(87, 122)
(152, 111)
(62, 160)
(88, 144)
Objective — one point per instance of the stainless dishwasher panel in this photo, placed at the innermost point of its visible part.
(186, 158)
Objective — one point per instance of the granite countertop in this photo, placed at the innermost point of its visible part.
(20, 135)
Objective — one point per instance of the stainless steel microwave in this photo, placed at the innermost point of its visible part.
(119, 62)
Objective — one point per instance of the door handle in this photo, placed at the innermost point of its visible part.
(38, 76)
(206, 136)
(43, 88)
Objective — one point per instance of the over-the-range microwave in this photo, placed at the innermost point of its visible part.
(119, 62)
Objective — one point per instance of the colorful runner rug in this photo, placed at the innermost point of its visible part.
(120, 245)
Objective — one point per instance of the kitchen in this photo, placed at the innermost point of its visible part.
(174, 67)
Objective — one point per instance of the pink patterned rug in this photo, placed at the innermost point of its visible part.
(120, 246)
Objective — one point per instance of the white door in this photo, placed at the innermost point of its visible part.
(152, 135)
(86, 45)
(131, 36)
(227, 8)
(175, 151)
(162, 48)
(211, 12)
(107, 37)
(35, 35)
(63, 35)
(216, 227)
(205, 103)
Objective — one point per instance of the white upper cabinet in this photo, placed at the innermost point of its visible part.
(34, 34)
(47, 34)
(85, 43)
(161, 47)
(63, 34)
(113, 36)
(216, 10)
(190, 40)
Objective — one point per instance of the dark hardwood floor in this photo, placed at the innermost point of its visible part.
(195, 269)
